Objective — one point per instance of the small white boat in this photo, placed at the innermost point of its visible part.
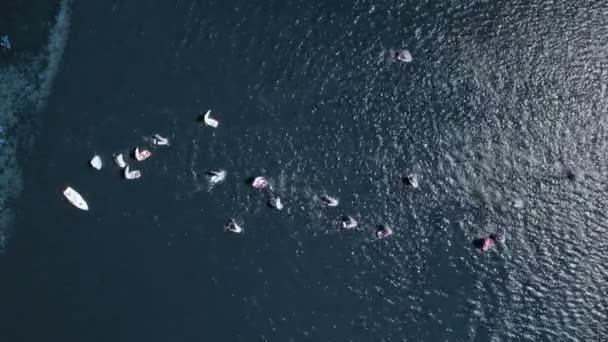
(517, 203)
(404, 56)
(135, 174)
(141, 155)
(348, 222)
(328, 201)
(75, 198)
(384, 232)
(276, 203)
(412, 180)
(96, 162)
(120, 161)
(216, 177)
(233, 227)
(160, 141)
(209, 121)
(259, 182)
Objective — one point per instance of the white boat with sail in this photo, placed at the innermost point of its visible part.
(120, 161)
(209, 121)
(135, 174)
(96, 162)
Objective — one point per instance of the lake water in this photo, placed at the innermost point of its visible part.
(500, 103)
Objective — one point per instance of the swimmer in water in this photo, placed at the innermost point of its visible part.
(328, 201)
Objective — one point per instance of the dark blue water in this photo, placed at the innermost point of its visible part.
(499, 102)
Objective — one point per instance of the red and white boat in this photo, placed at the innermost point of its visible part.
(384, 232)
(259, 182)
(141, 155)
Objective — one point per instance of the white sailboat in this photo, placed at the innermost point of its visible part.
(209, 121)
(233, 227)
(141, 155)
(160, 141)
(120, 161)
(135, 174)
(96, 162)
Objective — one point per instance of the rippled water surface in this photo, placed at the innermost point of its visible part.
(501, 102)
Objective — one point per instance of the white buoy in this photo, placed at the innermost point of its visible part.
(135, 174)
(96, 162)
(120, 161)
(209, 121)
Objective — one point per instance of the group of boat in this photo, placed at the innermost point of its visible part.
(96, 162)
(260, 183)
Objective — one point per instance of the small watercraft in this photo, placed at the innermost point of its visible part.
(411, 180)
(517, 203)
(487, 244)
(348, 222)
(275, 202)
(160, 141)
(120, 161)
(259, 182)
(209, 121)
(384, 232)
(498, 237)
(216, 177)
(404, 56)
(141, 155)
(135, 174)
(96, 162)
(328, 201)
(233, 227)
(75, 198)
